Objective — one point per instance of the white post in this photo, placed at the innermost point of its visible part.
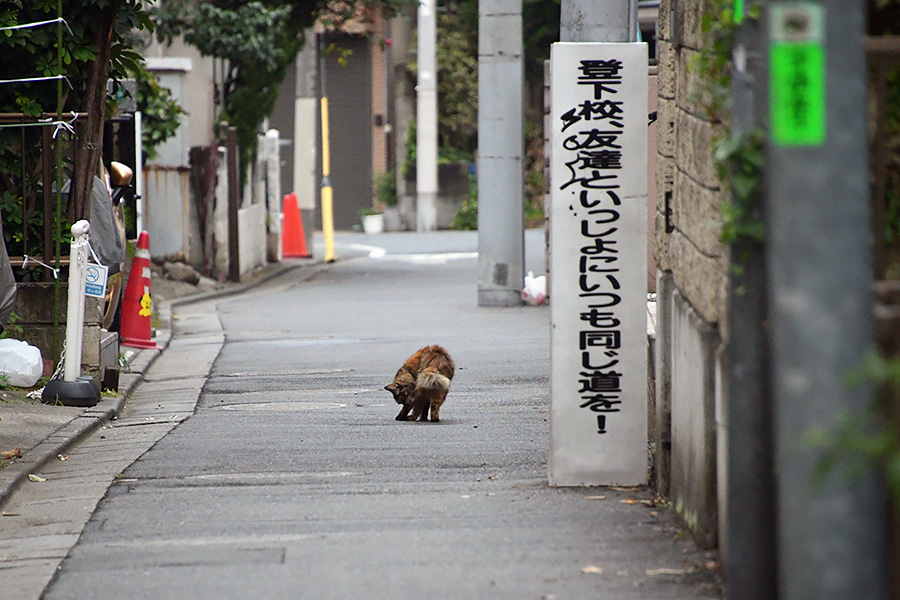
(73, 389)
(75, 312)
(272, 148)
(426, 119)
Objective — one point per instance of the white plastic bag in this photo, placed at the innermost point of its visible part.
(535, 291)
(20, 362)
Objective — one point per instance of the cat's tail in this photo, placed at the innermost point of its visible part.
(432, 380)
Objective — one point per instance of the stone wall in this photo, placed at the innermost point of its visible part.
(686, 170)
(692, 270)
(35, 310)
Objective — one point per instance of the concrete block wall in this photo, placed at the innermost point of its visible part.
(252, 242)
(693, 349)
(252, 214)
(693, 270)
(35, 310)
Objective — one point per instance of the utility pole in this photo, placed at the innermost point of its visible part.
(426, 119)
(749, 542)
(306, 106)
(598, 21)
(831, 537)
(501, 149)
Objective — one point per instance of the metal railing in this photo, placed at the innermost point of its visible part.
(39, 198)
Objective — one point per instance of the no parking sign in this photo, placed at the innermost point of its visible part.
(95, 280)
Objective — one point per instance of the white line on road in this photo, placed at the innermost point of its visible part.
(423, 258)
(431, 259)
(374, 251)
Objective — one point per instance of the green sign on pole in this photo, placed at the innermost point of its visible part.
(797, 74)
(738, 11)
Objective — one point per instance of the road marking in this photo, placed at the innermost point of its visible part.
(423, 258)
(374, 251)
(431, 259)
(284, 406)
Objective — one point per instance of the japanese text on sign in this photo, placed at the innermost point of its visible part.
(596, 159)
(797, 74)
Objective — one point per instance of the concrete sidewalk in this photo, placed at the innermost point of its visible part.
(43, 432)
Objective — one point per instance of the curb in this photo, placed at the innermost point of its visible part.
(266, 274)
(91, 419)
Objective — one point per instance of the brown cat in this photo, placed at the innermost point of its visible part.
(422, 383)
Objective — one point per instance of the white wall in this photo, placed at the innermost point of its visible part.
(693, 346)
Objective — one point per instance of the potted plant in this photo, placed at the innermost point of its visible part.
(372, 221)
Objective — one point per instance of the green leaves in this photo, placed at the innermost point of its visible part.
(713, 61)
(257, 41)
(47, 51)
(28, 106)
(457, 64)
(467, 217)
(252, 34)
(35, 52)
(123, 61)
(868, 439)
(740, 160)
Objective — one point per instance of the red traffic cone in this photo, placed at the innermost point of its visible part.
(293, 242)
(135, 329)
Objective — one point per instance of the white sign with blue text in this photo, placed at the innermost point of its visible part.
(598, 241)
(95, 280)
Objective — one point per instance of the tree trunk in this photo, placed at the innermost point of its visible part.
(89, 138)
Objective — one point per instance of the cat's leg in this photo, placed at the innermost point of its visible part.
(420, 408)
(404, 410)
(436, 406)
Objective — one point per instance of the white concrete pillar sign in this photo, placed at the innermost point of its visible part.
(598, 240)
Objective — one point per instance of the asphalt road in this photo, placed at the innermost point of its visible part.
(293, 480)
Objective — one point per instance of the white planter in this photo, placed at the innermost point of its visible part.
(373, 223)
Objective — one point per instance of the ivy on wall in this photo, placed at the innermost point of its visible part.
(739, 157)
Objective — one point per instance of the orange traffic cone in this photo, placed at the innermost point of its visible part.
(135, 329)
(293, 242)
